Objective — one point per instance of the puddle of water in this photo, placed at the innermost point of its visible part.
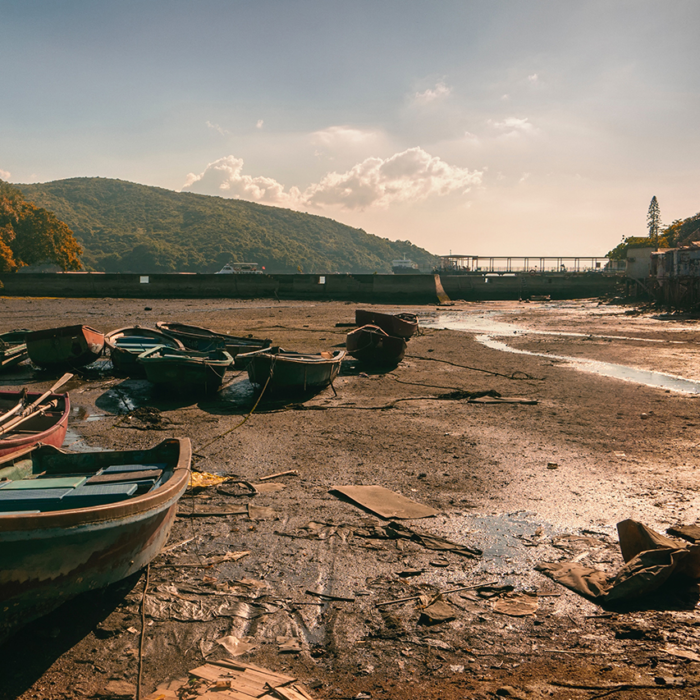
(241, 391)
(487, 328)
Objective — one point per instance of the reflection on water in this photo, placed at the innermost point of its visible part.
(487, 328)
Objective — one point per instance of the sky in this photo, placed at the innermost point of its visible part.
(491, 127)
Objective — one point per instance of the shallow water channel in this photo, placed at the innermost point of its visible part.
(492, 333)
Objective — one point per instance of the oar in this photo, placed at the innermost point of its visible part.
(21, 419)
(65, 378)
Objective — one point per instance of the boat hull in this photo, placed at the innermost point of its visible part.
(186, 371)
(65, 347)
(281, 371)
(48, 558)
(399, 325)
(53, 434)
(125, 358)
(372, 346)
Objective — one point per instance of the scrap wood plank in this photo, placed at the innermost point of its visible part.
(280, 678)
(384, 502)
(504, 399)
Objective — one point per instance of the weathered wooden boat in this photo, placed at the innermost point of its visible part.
(399, 325)
(126, 344)
(65, 347)
(46, 424)
(283, 370)
(71, 523)
(185, 371)
(203, 339)
(13, 348)
(373, 346)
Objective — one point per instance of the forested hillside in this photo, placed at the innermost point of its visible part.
(126, 227)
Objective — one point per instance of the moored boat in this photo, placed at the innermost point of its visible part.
(185, 371)
(373, 346)
(399, 325)
(64, 347)
(204, 339)
(47, 422)
(70, 523)
(126, 344)
(283, 370)
(13, 348)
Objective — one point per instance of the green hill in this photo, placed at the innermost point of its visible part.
(126, 227)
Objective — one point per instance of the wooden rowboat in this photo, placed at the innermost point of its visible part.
(65, 347)
(13, 348)
(282, 370)
(399, 325)
(371, 345)
(47, 427)
(185, 371)
(203, 339)
(71, 523)
(126, 344)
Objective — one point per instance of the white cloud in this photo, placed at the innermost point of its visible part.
(218, 128)
(341, 136)
(4, 174)
(259, 124)
(512, 126)
(533, 78)
(440, 91)
(410, 176)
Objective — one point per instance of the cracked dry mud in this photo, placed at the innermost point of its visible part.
(523, 483)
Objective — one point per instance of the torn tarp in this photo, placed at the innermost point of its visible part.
(651, 560)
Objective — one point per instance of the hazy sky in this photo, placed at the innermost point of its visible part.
(492, 127)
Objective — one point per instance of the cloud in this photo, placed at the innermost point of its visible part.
(341, 136)
(220, 129)
(440, 91)
(512, 126)
(533, 78)
(259, 124)
(410, 176)
(4, 174)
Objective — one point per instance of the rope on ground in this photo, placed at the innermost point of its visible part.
(238, 425)
(143, 632)
(518, 374)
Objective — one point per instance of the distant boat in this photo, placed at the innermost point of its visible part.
(203, 339)
(239, 269)
(404, 267)
(71, 523)
(126, 344)
(185, 371)
(47, 423)
(64, 347)
(400, 325)
(283, 370)
(13, 348)
(373, 346)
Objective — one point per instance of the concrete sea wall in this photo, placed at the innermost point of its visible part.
(369, 288)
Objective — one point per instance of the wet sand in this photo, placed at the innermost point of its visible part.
(513, 480)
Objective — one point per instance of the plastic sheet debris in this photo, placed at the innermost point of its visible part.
(651, 560)
(384, 503)
(200, 480)
(236, 646)
(519, 605)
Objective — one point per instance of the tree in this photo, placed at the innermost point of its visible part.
(654, 221)
(30, 235)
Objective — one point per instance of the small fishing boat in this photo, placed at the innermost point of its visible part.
(203, 339)
(126, 344)
(283, 370)
(27, 418)
(71, 523)
(65, 347)
(373, 346)
(185, 371)
(399, 325)
(13, 348)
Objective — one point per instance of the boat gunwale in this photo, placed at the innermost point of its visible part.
(149, 356)
(164, 496)
(113, 336)
(300, 358)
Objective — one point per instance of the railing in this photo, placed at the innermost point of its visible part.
(532, 264)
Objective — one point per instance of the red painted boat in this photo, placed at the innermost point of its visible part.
(65, 347)
(48, 427)
(373, 346)
(71, 523)
(399, 325)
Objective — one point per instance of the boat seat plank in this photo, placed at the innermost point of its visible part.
(31, 499)
(89, 495)
(133, 467)
(62, 482)
(113, 477)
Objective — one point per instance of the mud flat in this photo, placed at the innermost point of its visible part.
(523, 482)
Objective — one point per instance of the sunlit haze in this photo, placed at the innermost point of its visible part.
(494, 127)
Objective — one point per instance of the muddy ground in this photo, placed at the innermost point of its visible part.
(523, 483)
